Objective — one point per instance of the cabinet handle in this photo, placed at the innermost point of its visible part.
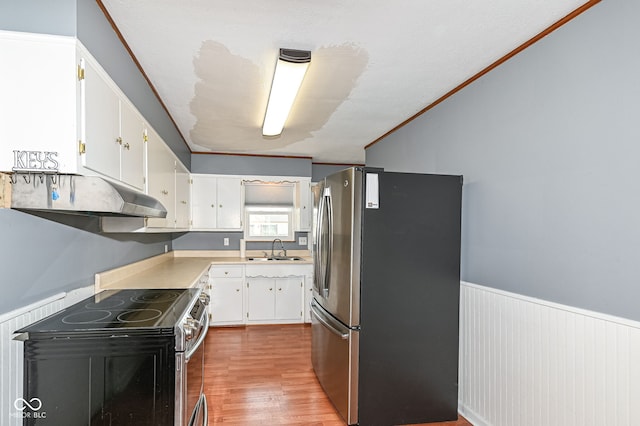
(119, 141)
(127, 146)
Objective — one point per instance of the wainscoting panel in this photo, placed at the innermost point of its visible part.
(527, 362)
(11, 350)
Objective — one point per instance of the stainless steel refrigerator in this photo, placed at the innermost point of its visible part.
(386, 295)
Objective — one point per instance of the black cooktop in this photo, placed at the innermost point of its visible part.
(123, 310)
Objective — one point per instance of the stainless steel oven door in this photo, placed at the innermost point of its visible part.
(190, 404)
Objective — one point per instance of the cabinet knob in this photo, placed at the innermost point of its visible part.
(165, 192)
(237, 289)
(119, 141)
(183, 202)
(226, 272)
(220, 205)
(213, 206)
(270, 289)
(127, 146)
(279, 289)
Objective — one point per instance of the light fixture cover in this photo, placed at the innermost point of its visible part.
(290, 70)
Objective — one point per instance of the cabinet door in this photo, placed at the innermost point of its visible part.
(226, 301)
(289, 298)
(261, 299)
(132, 149)
(183, 196)
(203, 202)
(38, 88)
(161, 185)
(229, 198)
(305, 205)
(102, 124)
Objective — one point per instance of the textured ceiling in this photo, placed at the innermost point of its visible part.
(374, 63)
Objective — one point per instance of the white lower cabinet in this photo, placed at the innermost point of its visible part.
(226, 285)
(259, 294)
(275, 300)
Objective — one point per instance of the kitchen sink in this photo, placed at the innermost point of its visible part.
(274, 258)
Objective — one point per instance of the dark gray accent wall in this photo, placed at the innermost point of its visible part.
(40, 258)
(250, 165)
(549, 146)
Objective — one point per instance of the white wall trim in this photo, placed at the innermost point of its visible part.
(32, 307)
(579, 311)
(530, 362)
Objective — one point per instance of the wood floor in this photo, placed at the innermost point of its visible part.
(262, 375)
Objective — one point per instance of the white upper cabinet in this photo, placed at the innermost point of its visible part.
(113, 130)
(61, 112)
(216, 202)
(161, 166)
(132, 146)
(304, 205)
(183, 196)
(39, 99)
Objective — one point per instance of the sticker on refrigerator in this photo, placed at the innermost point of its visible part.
(371, 191)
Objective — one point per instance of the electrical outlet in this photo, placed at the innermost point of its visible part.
(166, 248)
(302, 241)
(226, 241)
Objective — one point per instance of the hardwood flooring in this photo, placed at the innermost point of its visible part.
(262, 375)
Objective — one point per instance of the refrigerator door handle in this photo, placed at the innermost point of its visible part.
(318, 281)
(328, 204)
(327, 323)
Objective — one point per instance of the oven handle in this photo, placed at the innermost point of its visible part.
(203, 334)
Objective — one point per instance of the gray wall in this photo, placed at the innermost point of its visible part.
(39, 16)
(250, 165)
(215, 241)
(549, 145)
(320, 171)
(40, 257)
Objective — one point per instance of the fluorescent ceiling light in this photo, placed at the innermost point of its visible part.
(290, 70)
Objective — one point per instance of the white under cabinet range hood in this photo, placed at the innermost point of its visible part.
(80, 195)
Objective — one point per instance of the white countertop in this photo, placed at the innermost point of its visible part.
(177, 269)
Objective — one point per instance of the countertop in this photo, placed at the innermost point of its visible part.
(177, 269)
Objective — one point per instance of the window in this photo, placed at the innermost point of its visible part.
(267, 223)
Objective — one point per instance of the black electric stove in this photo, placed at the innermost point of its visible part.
(113, 311)
(116, 358)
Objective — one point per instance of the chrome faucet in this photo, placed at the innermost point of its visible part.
(273, 243)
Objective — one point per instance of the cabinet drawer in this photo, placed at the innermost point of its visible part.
(226, 271)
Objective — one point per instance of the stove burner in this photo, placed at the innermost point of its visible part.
(86, 317)
(155, 297)
(105, 304)
(139, 315)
